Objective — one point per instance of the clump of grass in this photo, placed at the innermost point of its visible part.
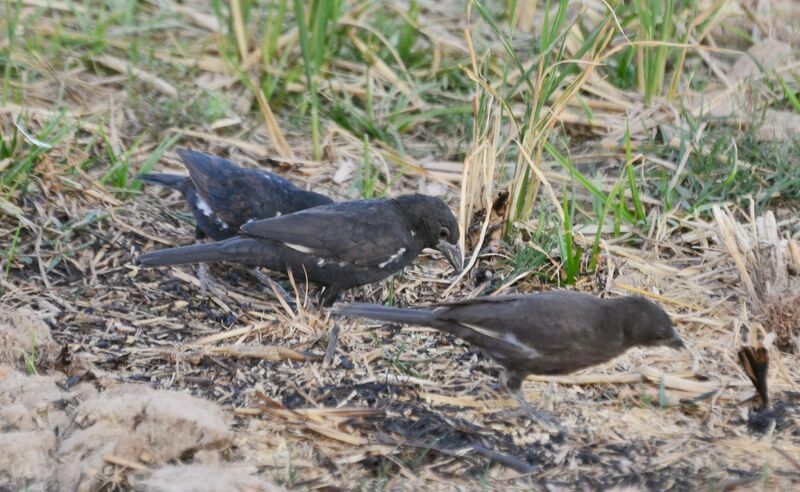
(533, 254)
(729, 166)
(25, 157)
(368, 173)
(315, 38)
(656, 22)
(553, 79)
(120, 174)
(664, 31)
(569, 251)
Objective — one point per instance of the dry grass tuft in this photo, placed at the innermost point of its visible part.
(764, 259)
(782, 317)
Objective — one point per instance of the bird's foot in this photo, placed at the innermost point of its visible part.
(272, 286)
(535, 414)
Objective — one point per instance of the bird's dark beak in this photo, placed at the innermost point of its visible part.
(676, 343)
(453, 254)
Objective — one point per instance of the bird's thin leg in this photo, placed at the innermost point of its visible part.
(206, 283)
(328, 296)
(205, 280)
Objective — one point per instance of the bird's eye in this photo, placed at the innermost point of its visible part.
(444, 233)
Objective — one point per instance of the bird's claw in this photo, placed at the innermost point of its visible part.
(537, 415)
(272, 286)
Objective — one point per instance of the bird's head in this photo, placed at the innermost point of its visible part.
(646, 324)
(434, 224)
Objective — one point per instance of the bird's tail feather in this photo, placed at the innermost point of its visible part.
(391, 314)
(196, 253)
(162, 179)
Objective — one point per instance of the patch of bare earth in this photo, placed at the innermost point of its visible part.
(67, 435)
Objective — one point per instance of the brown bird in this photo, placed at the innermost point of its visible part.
(555, 332)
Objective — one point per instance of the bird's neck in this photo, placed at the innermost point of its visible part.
(415, 212)
(304, 199)
(625, 318)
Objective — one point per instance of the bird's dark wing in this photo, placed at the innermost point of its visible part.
(236, 194)
(358, 232)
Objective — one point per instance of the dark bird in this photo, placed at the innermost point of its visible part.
(553, 332)
(340, 245)
(223, 196)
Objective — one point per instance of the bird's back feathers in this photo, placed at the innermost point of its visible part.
(222, 196)
(367, 232)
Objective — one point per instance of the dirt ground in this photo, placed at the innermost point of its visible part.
(139, 381)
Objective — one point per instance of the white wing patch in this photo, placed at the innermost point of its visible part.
(525, 349)
(206, 209)
(392, 258)
(202, 205)
(508, 338)
(321, 262)
(298, 247)
(482, 331)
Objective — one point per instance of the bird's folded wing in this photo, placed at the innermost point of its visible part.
(261, 197)
(485, 300)
(491, 316)
(348, 232)
(204, 169)
(515, 319)
(234, 194)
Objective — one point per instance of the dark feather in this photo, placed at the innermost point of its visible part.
(390, 314)
(223, 196)
(755, 361)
